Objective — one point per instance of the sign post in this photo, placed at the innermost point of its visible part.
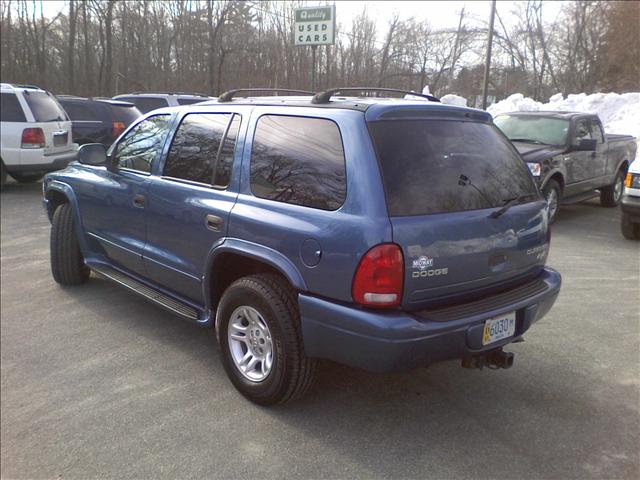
(314, 26)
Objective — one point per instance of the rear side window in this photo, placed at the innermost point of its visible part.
(190, 101)
(298, 160)
(124, 113)
(10, 109)
(44, 107)
(77, 111)
(436, 166)
(146, 104)
(141, 145)
(195, 147)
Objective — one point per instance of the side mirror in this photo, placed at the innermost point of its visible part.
(92, 154)
(586, 145)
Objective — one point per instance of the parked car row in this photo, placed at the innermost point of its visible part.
(41, 132)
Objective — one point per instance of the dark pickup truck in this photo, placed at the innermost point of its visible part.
(570, 156)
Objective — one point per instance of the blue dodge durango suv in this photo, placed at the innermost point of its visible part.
(381, 233)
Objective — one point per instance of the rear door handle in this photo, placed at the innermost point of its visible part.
(213, 222)
(138, 201)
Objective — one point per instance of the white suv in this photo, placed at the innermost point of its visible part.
(146, 101)
(35, 135)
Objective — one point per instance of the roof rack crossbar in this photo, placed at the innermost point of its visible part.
(192, 94)
(228, 95)
(325, 96)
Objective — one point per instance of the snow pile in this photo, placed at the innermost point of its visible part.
(620, 113)
(454, 100)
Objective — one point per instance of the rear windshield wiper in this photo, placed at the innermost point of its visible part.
(527, 140)
(508, 204)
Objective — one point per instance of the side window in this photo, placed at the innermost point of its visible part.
(596, 131)
(582, 131)
(146, 104)
(298, 160)
(143, 143)
(226, 155)
(193, 153)
(190, 101)
(10, 109)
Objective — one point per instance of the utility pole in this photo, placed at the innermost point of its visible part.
(313, 67)
(487, 61)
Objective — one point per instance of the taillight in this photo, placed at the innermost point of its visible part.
(117, 128)
(379, 277)
(32, 138)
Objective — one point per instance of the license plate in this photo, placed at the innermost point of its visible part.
(60, 139)
(498, 328)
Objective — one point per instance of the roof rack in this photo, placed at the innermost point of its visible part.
(191, 94)
(228, 95)
(25, 86)
(325, 96)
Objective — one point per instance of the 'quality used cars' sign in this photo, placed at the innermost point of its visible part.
(315, 26)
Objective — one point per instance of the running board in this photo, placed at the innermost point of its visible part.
(581, 197)
(149, 293)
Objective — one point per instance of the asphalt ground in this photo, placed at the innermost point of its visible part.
(96, 382)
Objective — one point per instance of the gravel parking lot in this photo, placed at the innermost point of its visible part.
(96, 382)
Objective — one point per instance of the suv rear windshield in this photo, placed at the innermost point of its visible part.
(436, 166)
(44, 107)
(124, 113)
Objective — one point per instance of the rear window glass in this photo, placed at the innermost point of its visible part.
(298, 160)
(435, 166)
(124, 113)
(44, 107)
(195, 147)
(10, 109)
(146, 104)
(189, 101)
(78, 111)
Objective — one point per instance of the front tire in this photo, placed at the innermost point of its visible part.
(261, 341)
(630, 230)
(610, 196)
(552, 194)
(67, 264)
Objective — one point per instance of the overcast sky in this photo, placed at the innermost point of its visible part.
(438, 13)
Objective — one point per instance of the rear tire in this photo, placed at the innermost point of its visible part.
(67, 264)
(26, 178)
(256, 312)
(630, 230)
(552, 194)
(610, 196)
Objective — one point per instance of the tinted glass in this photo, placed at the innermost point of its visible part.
(225, 157)
(124, 114)
(189, 101)
(44, 107)
(434, 166)
(143, 143)
(10, 109)
(550, 131)
(582, 132)
(195, 147)
(146, 104)
(596, 131)
(78, 111)
(298, 160)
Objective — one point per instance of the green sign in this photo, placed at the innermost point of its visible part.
(315, 25)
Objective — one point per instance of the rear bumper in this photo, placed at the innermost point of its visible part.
(392, 341)
(49, 164)
(631, 206)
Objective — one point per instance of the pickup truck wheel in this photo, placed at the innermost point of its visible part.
(261, 342)
(552, 194)
(26, 178)
(630, 230)
(67, 264)
(610, 196)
